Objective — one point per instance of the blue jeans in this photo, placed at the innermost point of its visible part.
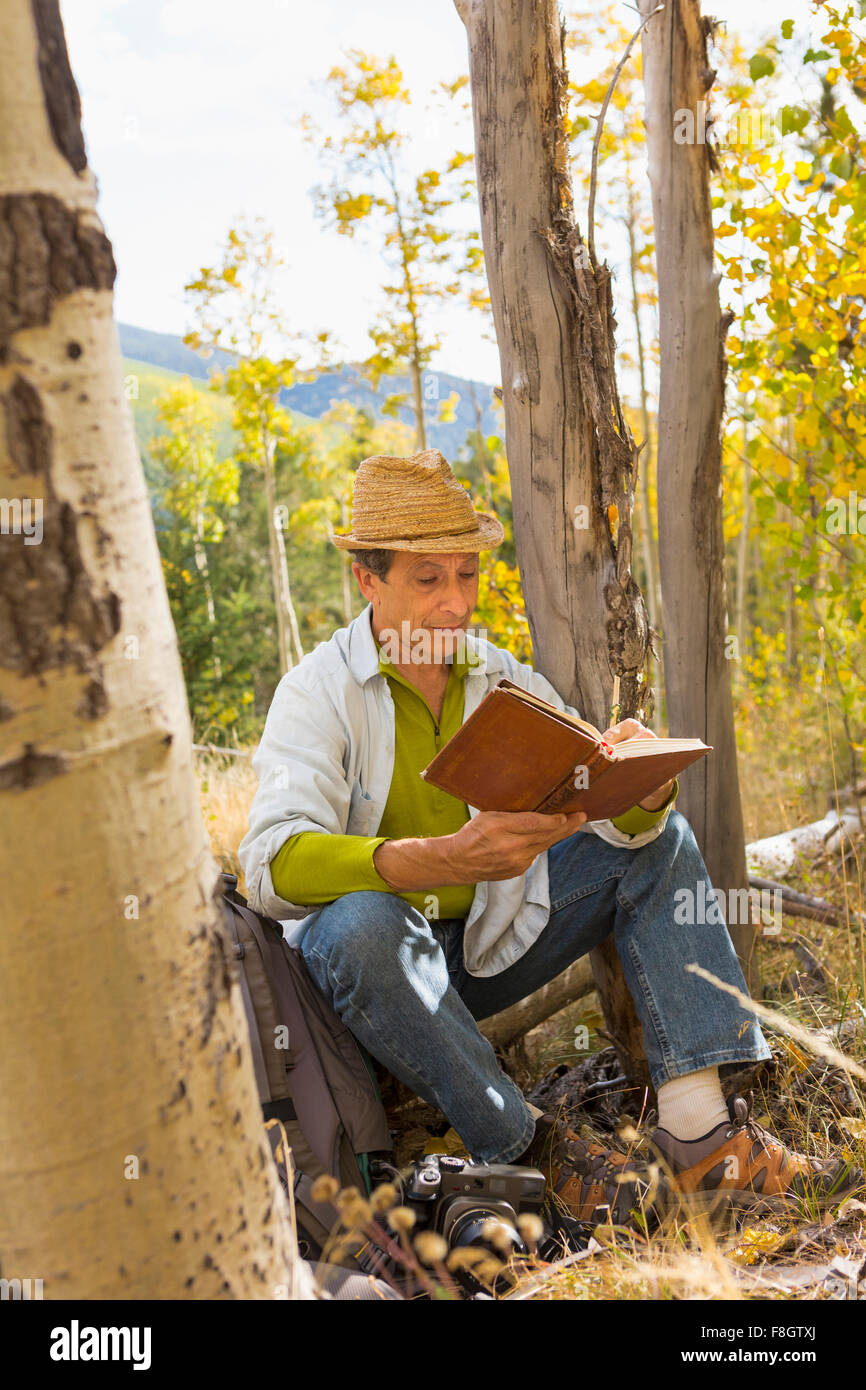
(399, 984)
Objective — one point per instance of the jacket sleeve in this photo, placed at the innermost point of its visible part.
(303, 786)
(637, 832)
(315, 869)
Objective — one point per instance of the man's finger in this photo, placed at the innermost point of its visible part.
(558, 828)
(532, 822)
(573, 823)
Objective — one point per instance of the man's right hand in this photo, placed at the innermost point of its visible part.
(503, 844)
(492, 845)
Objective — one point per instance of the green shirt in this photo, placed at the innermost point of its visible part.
(314, 868)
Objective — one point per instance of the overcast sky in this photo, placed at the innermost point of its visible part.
(190, 113)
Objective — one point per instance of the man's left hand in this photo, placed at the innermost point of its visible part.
(632, 728)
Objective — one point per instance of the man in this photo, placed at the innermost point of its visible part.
(420, 916)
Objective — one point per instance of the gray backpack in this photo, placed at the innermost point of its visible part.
(315, 1082)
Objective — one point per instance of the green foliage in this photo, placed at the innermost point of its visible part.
(790, 213)
(407, 213)
(198, 484)
(791, 229)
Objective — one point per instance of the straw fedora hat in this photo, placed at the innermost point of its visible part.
(415, 504)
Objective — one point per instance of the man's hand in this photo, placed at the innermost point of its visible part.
(632, 728)
(502, 844)
(492, 845)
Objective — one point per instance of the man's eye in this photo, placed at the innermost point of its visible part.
(473, 574)
(432, 580)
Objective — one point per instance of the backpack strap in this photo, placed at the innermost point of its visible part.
(337, 1106)
(259, 1064)
(255, 1039)
(317, 1114)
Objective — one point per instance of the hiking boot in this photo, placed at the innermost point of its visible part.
(741, 1164)
(594, 1184)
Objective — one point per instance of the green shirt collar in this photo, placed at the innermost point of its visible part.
(461, 665)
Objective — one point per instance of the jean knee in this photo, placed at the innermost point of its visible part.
(677, 825)
(353, 930)
(677, 834)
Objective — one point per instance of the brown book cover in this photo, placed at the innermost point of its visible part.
(517, 752)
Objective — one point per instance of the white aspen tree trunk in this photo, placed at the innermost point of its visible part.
(134, 1163)
(677, 78)
(346, 587)
(642, 495)
(418, 401)
(743, 547)
(203, 568)
(288, 632)
(274, 534)
(287, 601)
(571, 456)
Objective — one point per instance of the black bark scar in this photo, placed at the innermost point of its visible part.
(62, 102)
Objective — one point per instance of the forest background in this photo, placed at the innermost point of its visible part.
(251, 428)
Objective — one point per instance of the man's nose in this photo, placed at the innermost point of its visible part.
(454, 599)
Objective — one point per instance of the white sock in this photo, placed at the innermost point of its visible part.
(690, 1106)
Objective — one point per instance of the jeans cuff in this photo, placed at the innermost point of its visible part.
(711, 1059)
(515, 1150)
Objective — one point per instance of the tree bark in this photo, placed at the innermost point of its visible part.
(692, 329)
(571, 456)
(134, 1161)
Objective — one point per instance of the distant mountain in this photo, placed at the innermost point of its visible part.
(314, 398)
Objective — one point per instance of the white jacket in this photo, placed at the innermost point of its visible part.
(325, 764)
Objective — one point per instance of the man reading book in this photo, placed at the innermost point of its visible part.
(418, 915)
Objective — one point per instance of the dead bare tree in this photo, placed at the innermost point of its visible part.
(571, 456)
(692, 329)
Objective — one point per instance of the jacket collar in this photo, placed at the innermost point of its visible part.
(363, 654)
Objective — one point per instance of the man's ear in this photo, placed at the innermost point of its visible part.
(366, 581)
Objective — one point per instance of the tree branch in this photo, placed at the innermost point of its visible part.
(593, 176)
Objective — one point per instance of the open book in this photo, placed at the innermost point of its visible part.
(520, 753)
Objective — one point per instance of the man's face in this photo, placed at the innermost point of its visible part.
(426, 590)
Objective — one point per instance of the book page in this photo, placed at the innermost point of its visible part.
(643, 747)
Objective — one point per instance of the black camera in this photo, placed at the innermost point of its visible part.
(478, 1205)
(456, 1198)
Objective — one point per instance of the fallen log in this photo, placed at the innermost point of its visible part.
(504, 1028)
(802, 904)
(781, 854)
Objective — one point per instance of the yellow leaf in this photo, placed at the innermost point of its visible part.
(755, 1242)
(791, 1048)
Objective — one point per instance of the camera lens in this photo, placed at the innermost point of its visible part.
(469, 1229)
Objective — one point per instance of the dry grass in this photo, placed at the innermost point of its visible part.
(810, 1105)
(227, 785)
